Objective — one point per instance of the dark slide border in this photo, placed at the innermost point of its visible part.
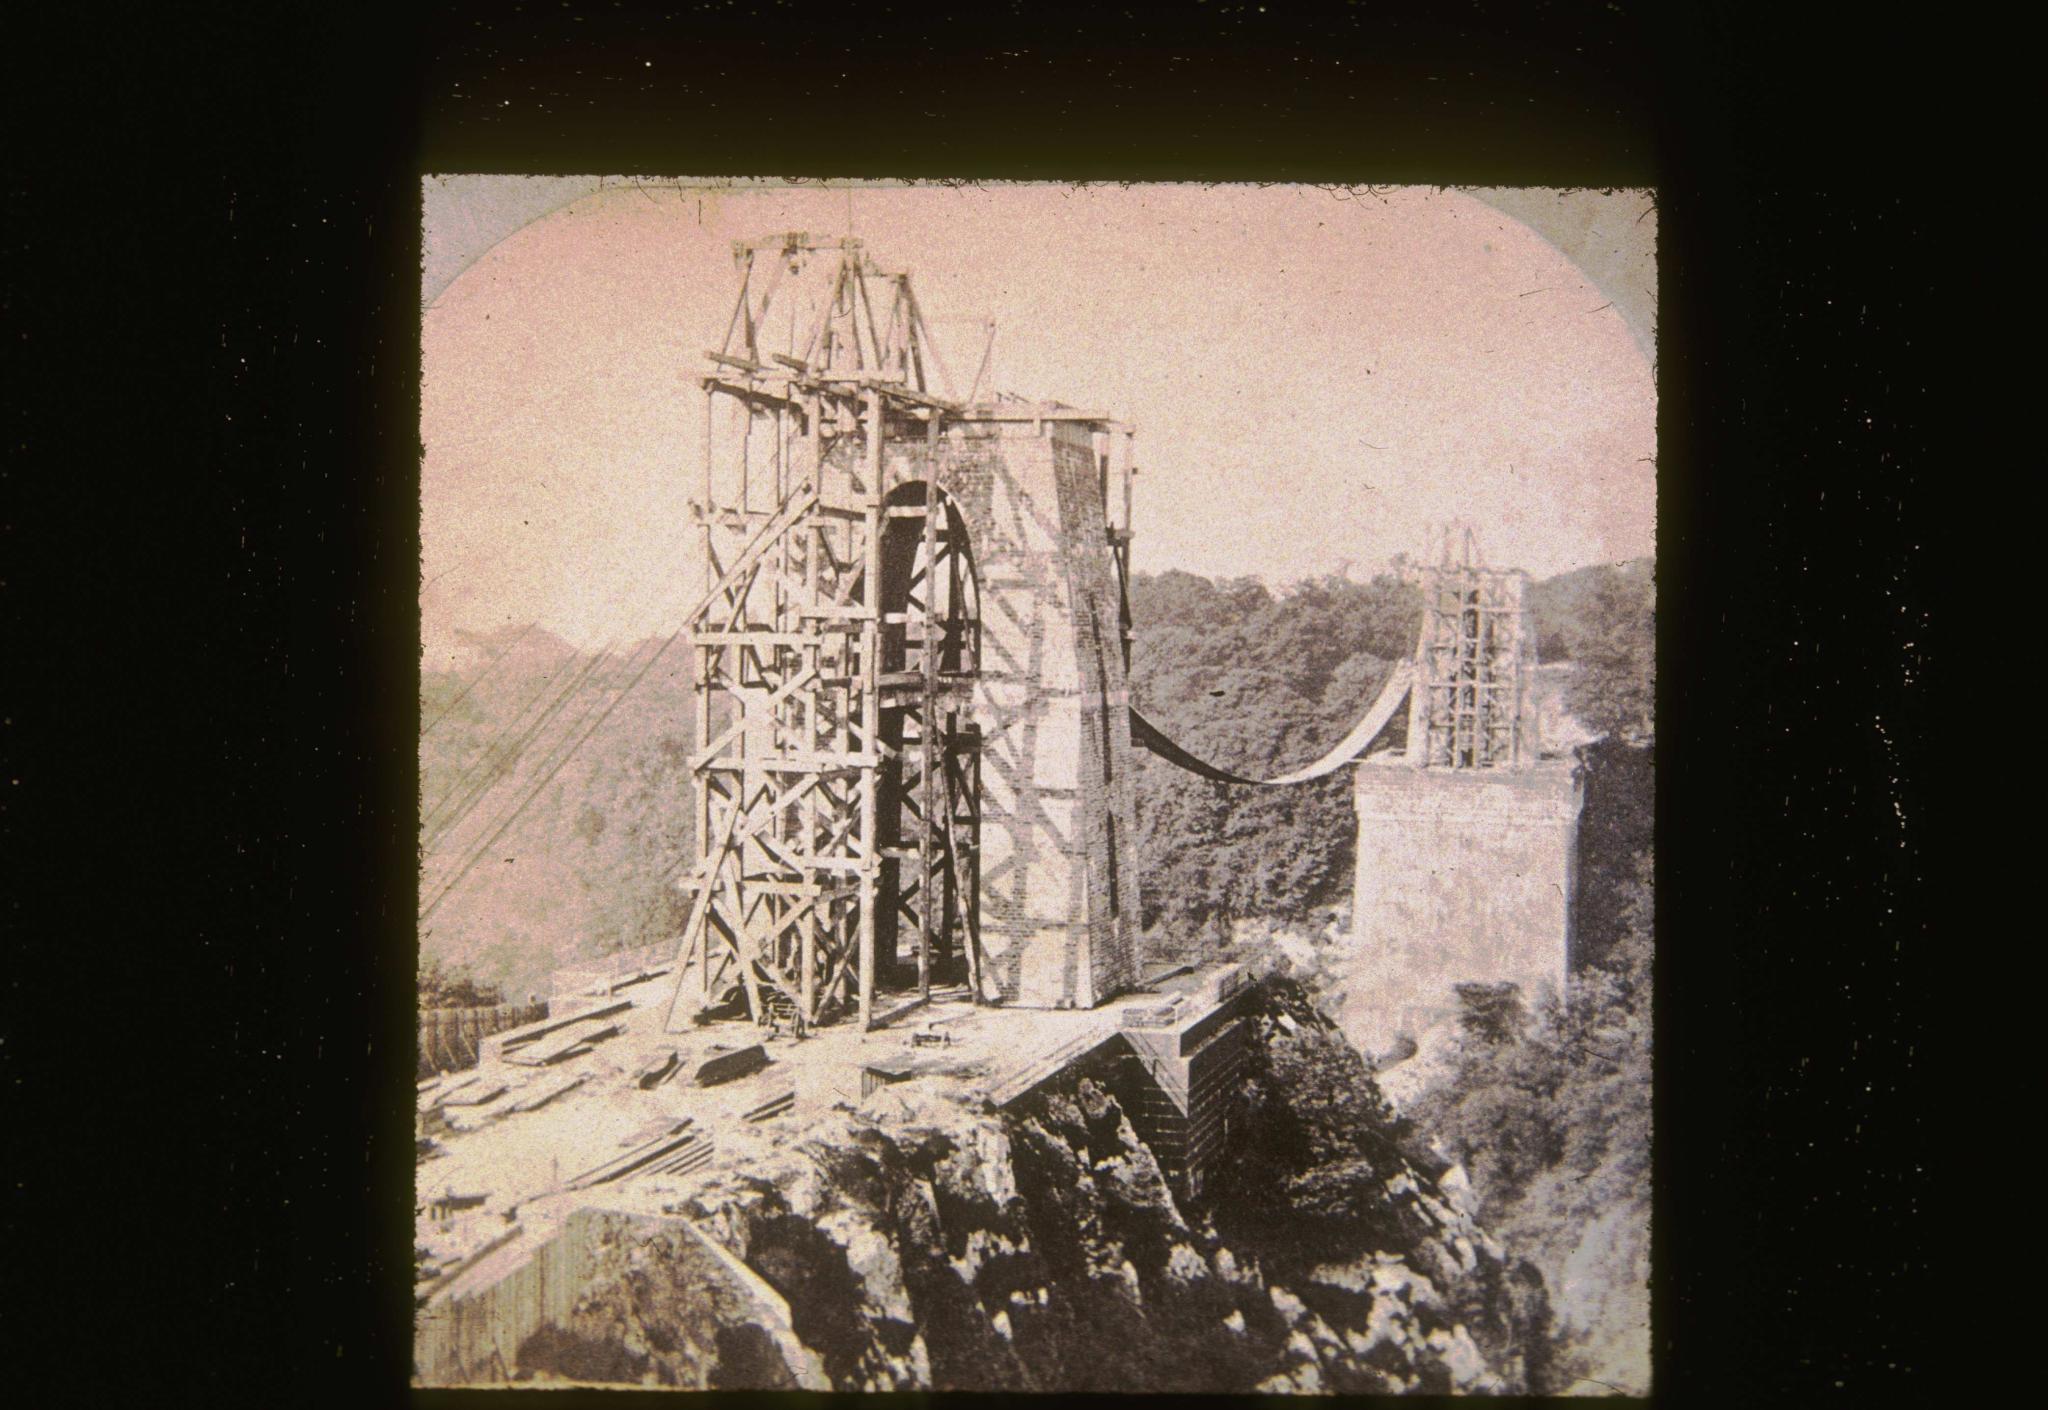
(214, 266)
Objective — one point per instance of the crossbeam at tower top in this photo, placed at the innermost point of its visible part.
(818, 317)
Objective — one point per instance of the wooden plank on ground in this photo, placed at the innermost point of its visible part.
(518, 1037)
(660, 1069)
(774, 1106)
(557, 1046)
(633, 1160)
(696, 1159)
(441, 1095)
(477, 1095)
(638, 976)
(728, 1066)
(653, 1130)
(546, 1093)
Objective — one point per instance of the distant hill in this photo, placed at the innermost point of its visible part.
(582, 869)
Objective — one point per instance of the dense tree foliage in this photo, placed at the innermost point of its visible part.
(1617, 827)
(1605, 620)
(1554, 1127)
(1252, 679)
(1258, 683)
(1312, 1125)
(1562, 1094)
(1491, 1014)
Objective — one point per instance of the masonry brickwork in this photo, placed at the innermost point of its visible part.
(1177, 1085)
(1058, 865)
(1463, 875)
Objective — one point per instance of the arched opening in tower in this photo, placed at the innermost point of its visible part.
(928, 803)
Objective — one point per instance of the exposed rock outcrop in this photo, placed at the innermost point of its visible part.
(1041, 1249)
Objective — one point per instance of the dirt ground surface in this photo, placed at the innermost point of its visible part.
(522, 1162)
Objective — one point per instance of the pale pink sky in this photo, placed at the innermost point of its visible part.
(1314, 379)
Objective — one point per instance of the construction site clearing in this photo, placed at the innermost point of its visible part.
(598, 1107)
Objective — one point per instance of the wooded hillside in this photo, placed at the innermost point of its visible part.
(582, 869)
(566, 855)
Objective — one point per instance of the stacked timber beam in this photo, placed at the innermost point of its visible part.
(778, 1105)
(729, 1064)
(572, 1041)
(679, 1148)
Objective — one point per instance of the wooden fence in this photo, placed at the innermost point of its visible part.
(449, 1038)
(469, 1334)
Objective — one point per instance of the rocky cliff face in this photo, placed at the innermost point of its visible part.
(924, 1244)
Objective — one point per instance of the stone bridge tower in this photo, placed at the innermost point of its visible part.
(1468, 838)
(1058, 870)
(911, 758)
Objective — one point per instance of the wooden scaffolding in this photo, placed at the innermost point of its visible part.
(834, 766)
(1473, 705)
